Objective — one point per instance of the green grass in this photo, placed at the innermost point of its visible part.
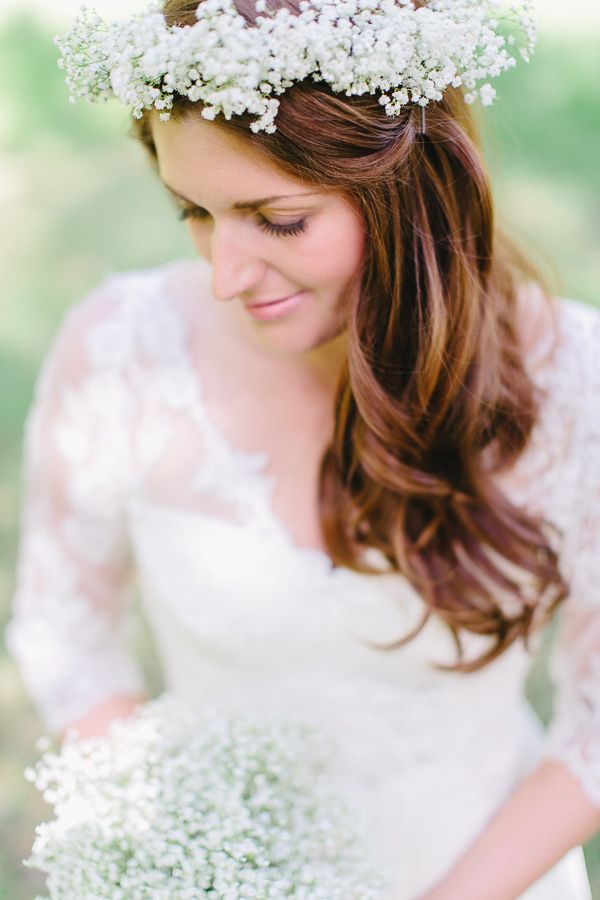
(79, 201)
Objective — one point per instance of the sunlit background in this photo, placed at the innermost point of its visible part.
(78, 201)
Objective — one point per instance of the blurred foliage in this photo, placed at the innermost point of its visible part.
(79, 201)
(542, 141)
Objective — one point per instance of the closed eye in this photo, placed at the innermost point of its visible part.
(289, 228)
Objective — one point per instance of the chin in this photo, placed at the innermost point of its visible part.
(284, 339)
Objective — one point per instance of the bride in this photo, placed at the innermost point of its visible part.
(350, 454)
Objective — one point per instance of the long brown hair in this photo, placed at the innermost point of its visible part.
(434, 398)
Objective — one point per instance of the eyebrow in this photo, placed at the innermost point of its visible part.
(247, 204)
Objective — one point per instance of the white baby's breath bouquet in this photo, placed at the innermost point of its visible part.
(182, 805)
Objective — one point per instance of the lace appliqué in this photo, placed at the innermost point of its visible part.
(574, 735)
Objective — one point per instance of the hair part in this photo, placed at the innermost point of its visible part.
(434, 398)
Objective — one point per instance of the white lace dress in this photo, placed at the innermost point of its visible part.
(126, 474)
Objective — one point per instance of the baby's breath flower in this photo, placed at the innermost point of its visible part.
(410, 55)
(177, 804)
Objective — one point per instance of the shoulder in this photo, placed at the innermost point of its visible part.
(561, 343)
(579, 325)
(560, 339)
(129, 316)
(130, 292)
(579, 365)
(569, 424)
(573, 367)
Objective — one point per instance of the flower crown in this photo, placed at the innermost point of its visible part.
(406, 54)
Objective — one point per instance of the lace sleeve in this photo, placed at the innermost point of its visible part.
(574, 733)
(68, 633)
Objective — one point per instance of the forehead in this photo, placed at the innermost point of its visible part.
(196, 154)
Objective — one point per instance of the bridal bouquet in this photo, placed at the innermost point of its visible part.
(182, 805)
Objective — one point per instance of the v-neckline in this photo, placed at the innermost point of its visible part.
(255, 461)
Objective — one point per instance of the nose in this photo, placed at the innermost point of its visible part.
(235, 268)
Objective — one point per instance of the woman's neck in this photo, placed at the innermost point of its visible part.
(315, 371)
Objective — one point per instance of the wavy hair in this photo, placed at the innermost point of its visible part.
(434, 398)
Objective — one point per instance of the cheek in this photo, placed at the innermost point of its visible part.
(335, 252)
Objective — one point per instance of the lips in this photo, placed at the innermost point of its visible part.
(271, 310)
(268, 302)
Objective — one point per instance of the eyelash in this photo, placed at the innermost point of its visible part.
(290, 230)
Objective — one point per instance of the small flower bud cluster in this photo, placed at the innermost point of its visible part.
(174, 803)
(389, 47)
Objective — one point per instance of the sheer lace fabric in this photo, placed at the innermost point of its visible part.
(127, 477)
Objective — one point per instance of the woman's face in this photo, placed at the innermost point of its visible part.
(267, 235)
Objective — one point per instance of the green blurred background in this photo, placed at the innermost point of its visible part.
(78, 201)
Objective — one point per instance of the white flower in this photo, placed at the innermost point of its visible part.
(487, 94)
(173, 803)
(356, 46)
